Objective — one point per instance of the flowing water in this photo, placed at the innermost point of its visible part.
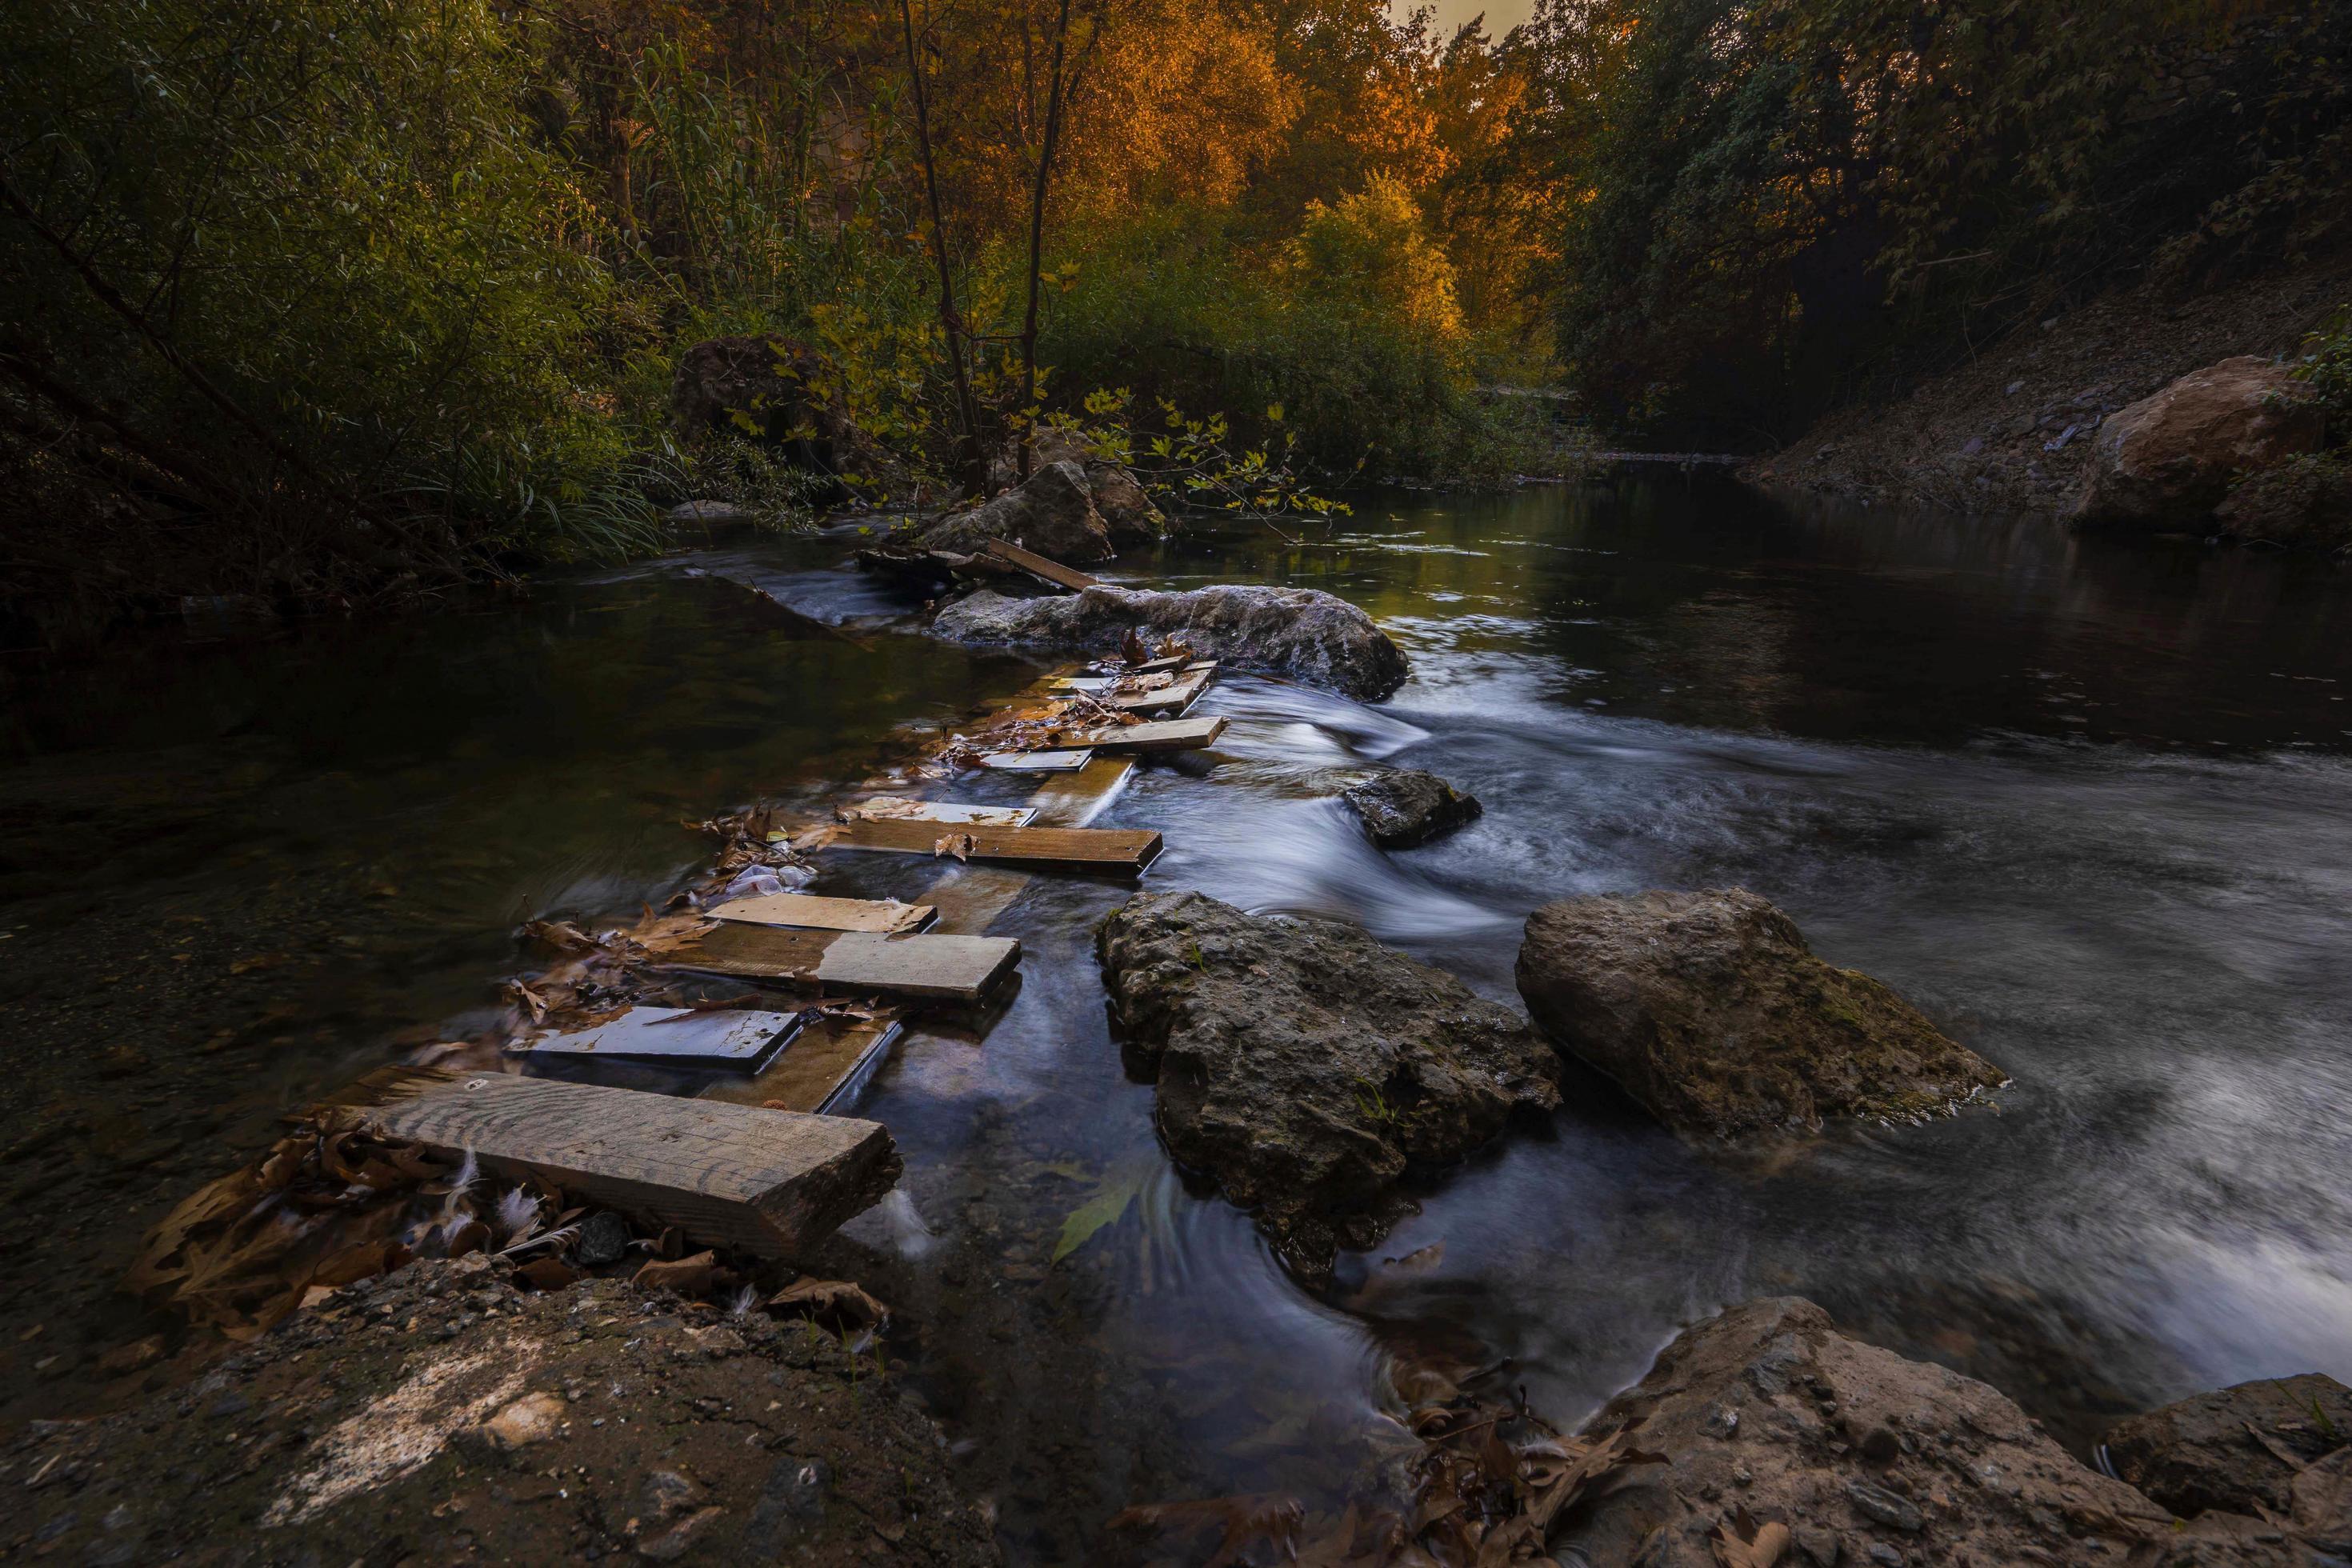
(2083, 802)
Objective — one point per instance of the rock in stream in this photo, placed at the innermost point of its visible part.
(1306, 1067)
(1301, 634)
(1400, 807)
(2237, 1449)
(1866, 1457)
(1709, 1009)
(1054, 514)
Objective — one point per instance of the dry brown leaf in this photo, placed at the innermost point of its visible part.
(1747, 1545)
(547, 1274)
(1272, 1517)
(835, 1303)
(962, 845)
(686, 1275)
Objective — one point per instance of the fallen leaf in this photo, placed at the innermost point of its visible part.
(837, 1303)
(962, 845)
(686, 1275)
(1272, 1517)
(548, 1273)
(1747, 1545)
(1106, 1205)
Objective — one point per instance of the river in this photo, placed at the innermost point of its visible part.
(2083, 801)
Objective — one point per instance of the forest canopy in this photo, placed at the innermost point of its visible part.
(328, 298)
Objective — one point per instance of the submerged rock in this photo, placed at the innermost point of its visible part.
(1404, 806)
(1306, 1067)
(2236, 1449)
(1709, 1009)
(2166, 461)
(1301, 633)
(1865, 1456)
(1053, 515)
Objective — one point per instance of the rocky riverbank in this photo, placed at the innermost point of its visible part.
(2013, 429)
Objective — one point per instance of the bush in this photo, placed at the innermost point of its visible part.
(1350, 328)
(324, 285)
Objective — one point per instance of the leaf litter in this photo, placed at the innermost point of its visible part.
(1476, 1479)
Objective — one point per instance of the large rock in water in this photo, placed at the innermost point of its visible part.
(1711, 1011)
(2166, 461)
(1053, 515)
(1865, 1458)
(1305, 1067)
(1403, 806)
(2238, 1449)
(1302, 633)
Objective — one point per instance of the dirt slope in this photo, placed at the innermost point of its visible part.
(2010, 432)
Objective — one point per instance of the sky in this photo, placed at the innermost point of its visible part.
(1502, 16)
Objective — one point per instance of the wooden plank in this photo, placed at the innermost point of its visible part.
(823, 1073)
(1170, 735)
(731, 1037)
(884, 915)
(1101, 683)
(769, 1181)
(1177, 694)
(1042, 566)
(1130, 848)
(951, 968)
(1061, 762)
(892, 805)
(1153, 666)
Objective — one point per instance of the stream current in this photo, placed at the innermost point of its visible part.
(2083, 802)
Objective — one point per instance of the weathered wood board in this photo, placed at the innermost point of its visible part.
(886, 915)
(734, 1037)
(770, 1182)
(1099, 684)
(1177, 694)
(884, 806)
(1130, 848)
(1063, 762)
(828, 1064)
(949, 968)
(1041, 566)
(1168, 735)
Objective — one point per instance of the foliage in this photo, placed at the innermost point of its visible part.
(353, 311)
(2326, 368)
(1191, 462)
(344, 297)
(1782, 202)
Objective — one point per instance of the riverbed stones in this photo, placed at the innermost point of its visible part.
(1299, 634)
(2237, 1449)
(1865, 1456)
(1403, 806)
(1710, 1010)
(1054, 514)
(2166, 461)
(1305, 1068)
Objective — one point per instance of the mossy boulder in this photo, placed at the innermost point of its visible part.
(1709, 1009)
